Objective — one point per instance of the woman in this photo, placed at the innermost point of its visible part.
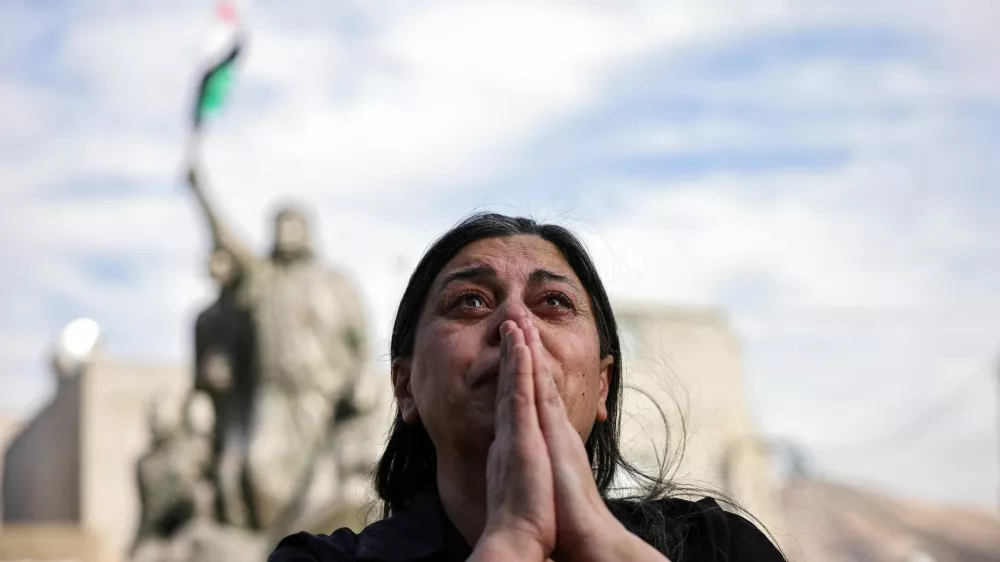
(506, 368)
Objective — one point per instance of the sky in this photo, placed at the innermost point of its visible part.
(825, 172)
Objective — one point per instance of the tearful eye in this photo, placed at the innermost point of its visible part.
(557, 300)
(469, 301)
(472, 301)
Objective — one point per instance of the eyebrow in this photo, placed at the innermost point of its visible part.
(477, 271)
(485, 271)
(540, 276)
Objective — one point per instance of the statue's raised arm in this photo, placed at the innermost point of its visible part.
(222, 236)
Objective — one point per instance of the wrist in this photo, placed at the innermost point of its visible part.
(603, 539)
(503, 544)
(614, 542)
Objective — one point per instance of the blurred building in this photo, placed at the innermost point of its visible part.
(69, 482)
(832, 522)
(9, 426)
(685, 405)
(70, 485)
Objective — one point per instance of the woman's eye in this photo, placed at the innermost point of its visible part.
(472, 300)
(557, 300)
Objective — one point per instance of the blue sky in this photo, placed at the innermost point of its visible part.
(823, 171)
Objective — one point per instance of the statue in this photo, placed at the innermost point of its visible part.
(173, 476)
(224, 371)
(280, 357)
(309, 349)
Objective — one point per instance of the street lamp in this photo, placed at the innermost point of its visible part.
(75, 347)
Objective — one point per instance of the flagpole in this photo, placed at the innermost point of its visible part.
(192, 152)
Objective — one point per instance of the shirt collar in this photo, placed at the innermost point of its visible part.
(418, 532)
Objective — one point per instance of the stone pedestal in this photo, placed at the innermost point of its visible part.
(44, 542)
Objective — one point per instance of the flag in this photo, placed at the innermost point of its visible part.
(226, 42)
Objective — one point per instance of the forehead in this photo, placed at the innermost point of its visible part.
(512, 256)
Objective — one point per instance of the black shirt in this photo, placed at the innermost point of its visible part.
(422, 532)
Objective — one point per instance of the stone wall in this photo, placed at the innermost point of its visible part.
(686, 363)
(74, 462)
(41, 477)
(115, 434)
(49, 542)
(9, 427)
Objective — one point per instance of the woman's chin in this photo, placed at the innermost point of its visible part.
(473, 423)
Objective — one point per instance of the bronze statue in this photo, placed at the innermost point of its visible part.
(309, 349)
(173, 476)
(224, 370)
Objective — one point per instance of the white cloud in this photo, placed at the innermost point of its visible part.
(853, 315)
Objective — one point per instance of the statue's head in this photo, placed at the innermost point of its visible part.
(199, 414)
(292, 238)
(163, 418)
(222, 267)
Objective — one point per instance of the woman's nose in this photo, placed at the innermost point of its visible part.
(515, 311)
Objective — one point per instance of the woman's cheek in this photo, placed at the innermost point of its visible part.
(451, 349)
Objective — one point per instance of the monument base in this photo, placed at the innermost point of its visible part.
(51, 542)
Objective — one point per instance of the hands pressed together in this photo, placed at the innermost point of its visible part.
(542, 501)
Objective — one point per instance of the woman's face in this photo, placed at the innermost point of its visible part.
(450, 381)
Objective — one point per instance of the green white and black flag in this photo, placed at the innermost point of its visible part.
(225, 44)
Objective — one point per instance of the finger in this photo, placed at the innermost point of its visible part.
(515, 392)
(565, 446)
(525, 415)
(504, 378)
(551, 411)
(505, 382)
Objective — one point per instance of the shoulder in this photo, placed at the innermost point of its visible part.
(697, 531)
(400, 538)
(339, 546)
(208, 315)
(416, 533)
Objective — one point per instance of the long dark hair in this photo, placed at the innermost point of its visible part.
(408, 465)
